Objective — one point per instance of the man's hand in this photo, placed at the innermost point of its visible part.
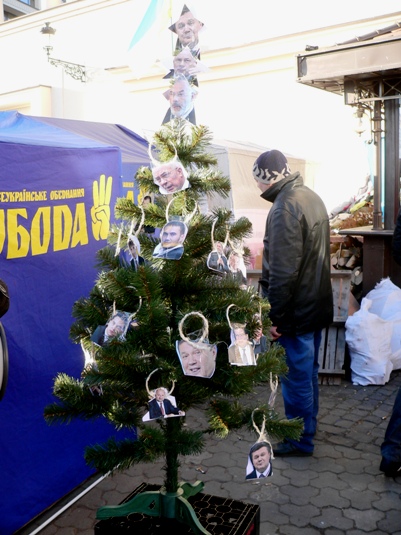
(273, 333)
(100, 211)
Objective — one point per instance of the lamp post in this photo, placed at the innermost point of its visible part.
(76, 71)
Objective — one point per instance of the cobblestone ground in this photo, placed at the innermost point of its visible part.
(339, 490)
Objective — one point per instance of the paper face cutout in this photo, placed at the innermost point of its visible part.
(184, 63)
(187, 28)
(217, 260)
(170, 177)
(132, 253)
(172, 239)
(241, 351)
(237, 267)
(198, 359)
(115, 328)
(259, 461)
(181, 96)
(162, 406)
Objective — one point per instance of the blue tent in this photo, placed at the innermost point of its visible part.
(57, 191)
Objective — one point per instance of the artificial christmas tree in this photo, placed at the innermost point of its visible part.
(167, 301)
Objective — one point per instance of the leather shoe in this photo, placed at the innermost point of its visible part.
(286, 449)
(390, 468)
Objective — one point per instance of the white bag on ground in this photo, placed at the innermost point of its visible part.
(369, 341)
(386, 303)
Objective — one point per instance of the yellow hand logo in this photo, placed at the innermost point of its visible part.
(100, 211)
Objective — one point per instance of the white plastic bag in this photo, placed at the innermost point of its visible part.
(369, 341)
(386, 303)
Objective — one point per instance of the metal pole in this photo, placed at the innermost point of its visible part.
(391, 163)
(377, 137)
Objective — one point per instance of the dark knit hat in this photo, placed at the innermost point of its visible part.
(270, 167)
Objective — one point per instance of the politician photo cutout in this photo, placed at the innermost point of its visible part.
(162, 405)
(115, 329)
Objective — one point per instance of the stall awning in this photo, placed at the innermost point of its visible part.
(361, 62)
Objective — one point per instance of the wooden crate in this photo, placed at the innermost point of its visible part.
(332, 347)
(341, 285)
(331, 354)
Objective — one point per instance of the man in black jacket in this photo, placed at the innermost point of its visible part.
(296, 281)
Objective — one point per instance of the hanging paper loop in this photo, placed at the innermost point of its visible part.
(140, 225)
(212, 236)
(187, 219)
(147, 384)
(118, 243)
(205, 330)
(273, 387)
(261, 432)
(228, 316)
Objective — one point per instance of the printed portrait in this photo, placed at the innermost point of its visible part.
(172, 236)
(259, 461)
(197, 359)
(115, 329)
(170, 177)
(241, 351)
(162, 405)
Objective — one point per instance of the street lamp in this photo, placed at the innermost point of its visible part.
(76, 71)
(363, 120)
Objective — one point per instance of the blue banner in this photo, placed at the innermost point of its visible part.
(57, 198)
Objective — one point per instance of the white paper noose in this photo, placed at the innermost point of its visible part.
(131, 231)
(228, 316)
(205, 331)
(118, 243)
(262, 432)
(239, 249)
(273, 387)
(212, 236)
(141, 222)
(89, 355)
(188, 218)
(147, 385)
(155, 162)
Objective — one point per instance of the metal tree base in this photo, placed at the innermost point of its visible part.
(173, 505)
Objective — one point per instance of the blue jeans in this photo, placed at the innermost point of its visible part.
(391, 447)
(300, 387)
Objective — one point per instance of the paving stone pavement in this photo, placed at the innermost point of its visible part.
(339, 490)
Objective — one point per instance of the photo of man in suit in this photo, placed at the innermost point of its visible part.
(173, 235)
(184, 63)
(132, 255)
(162, 407)
(115, 328)
(217, 260)
(241, 352)
(260, 461)
(181, 96)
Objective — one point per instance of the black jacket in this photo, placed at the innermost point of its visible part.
(296, 261)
